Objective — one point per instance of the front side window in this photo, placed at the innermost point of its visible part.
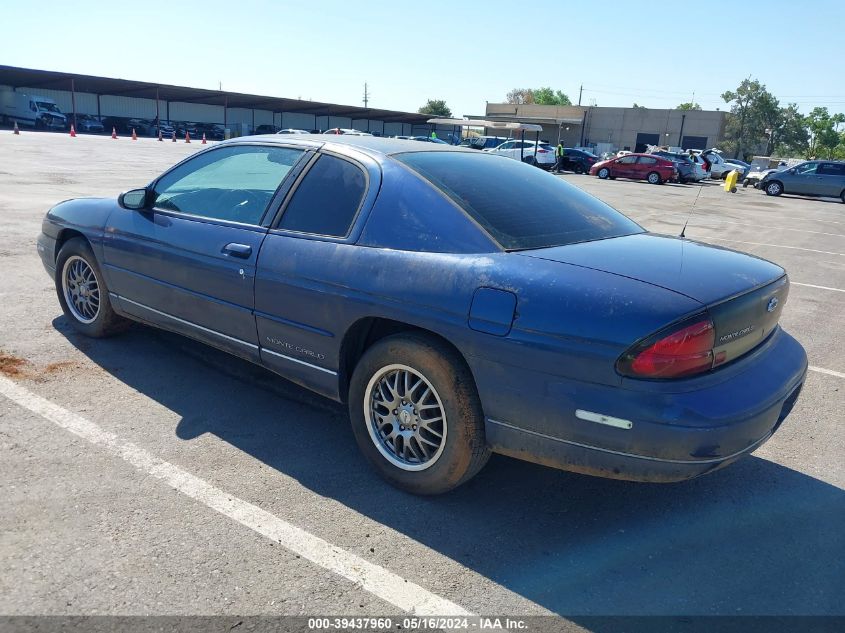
(327, 200)
(234, 183)
(647, 160)
(627, 160)
(806, 169)
(520, 206)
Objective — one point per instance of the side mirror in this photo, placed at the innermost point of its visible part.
(135, 200)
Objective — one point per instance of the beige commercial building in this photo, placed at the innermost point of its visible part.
(610, 129)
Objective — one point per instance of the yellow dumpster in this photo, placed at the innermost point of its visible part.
(730, 181)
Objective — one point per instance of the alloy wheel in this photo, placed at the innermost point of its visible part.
(81, 289)
(405, 417)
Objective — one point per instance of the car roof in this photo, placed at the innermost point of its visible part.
(373, 145)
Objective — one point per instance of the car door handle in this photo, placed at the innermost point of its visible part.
(242, 251)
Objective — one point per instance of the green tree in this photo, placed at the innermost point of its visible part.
(790, 137)
(689, 105)
(744, 130)
(824, 133)
(547, 96)
(520, 95)
(637, 106)
(436, 107)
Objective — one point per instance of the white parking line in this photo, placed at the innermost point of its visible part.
(378, 581)
(796, 283)
(829, 372)
(776, 228)
(796, 248)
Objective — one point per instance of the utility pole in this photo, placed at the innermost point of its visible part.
(366, 95)
(579, 94)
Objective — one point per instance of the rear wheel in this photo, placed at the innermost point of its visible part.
(654, 178)
(416, 414)
(530, 160)
(774, 188)
(603, 173)
(82, 291)
(842, 196)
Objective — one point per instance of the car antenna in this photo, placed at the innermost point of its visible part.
(689, 217)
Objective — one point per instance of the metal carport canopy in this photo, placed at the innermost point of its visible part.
(499, 125)
(74, 82)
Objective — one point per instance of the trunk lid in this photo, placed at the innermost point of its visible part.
(744, 295)
(708, 274)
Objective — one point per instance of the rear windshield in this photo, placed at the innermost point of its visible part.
(522, 207)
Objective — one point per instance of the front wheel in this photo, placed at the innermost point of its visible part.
(774, 188)
(654, 178)
(416, 414)
(82, 291)
(603, 173)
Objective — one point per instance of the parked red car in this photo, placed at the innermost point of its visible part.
(654, 169)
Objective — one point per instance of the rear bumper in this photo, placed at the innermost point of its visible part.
(673, 436)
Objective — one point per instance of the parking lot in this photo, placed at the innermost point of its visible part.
(149, 475)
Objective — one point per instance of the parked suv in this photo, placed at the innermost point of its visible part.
(688, 169)
(719, 168)
(540, 154)
(813, 178)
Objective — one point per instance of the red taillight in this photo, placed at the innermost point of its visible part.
(682, 350)
(542, 151)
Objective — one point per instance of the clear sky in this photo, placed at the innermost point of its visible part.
(622, 51)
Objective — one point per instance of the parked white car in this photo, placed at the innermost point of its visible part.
(719, 168)
(541, 154)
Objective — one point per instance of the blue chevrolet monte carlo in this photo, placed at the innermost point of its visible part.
(460, 303)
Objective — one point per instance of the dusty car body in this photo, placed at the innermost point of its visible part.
(458, 302)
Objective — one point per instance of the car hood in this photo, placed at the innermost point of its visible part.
(699, 271)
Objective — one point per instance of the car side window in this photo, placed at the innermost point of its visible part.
(806, 169)
(647, 160)
(234, 183)
(627, 160)
(327, 200)
(508, 145)
(831, 169)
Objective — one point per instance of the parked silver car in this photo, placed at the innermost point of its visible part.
(822, 178)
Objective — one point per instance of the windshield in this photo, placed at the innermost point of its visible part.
(522, 207)
(47, 107)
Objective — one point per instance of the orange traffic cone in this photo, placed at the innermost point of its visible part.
(16, 130)
(72, 131)
(114, 132)
(134, 136)
(203, 139)
(174, 136)
(187, 137)
(159, 136)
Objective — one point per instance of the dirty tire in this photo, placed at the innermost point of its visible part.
(106, 322)
(464, 449)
